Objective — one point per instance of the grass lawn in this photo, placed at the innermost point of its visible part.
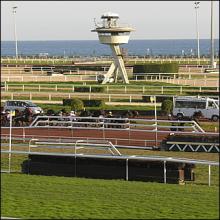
(41, 197)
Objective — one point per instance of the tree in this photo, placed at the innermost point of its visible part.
(167, 106)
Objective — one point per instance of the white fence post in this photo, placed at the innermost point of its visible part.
(127, 169)
(209, 175)
(165, 172)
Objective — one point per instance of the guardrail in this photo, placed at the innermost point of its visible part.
(78, 144)
(150, 131)
(81, 78)
(127, 158)
(105, 123)
(47, 96)
(54, 59)
(108, 88)
(43, 70)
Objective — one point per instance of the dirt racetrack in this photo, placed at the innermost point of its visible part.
(124, 137)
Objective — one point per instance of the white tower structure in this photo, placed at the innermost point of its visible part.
(112, 34)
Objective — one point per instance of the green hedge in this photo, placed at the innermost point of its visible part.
(76, 104)
(156, 68)
(92, 68)
(193, 138)
(94, 103)
(87, 89)
(167, 106)
(86, 103)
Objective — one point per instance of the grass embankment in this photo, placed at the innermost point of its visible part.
(27, 196)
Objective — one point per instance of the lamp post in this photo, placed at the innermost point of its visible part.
(15, 32)
(212, 38)
(197, 29)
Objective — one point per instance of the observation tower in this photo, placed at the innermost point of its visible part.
(109, 32)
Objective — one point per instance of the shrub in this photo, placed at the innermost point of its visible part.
(94, 103)
(76, 104)
(50, 112)
(167, 106)
(81, 89)
(193, 138)
(92, 68)
(98, 89)
(67, 102)
(156, 68)
(87, 89)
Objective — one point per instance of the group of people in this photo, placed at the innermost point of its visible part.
(88, 119)
(97, 118)
(19, 118)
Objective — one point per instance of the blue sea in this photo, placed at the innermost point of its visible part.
(94, 48)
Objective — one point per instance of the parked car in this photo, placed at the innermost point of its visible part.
(21, 105)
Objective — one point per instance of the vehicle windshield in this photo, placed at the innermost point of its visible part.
(217, 102)
(30, 104)
(213, 104)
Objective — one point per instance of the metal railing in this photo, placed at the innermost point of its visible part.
(117, 123)
(107, 88)
(214, 82)
(118, 155)
(182, 146)
(47, 96)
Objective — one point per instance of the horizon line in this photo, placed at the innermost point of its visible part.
(129, 40)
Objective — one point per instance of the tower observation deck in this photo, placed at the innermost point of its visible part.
(109, 32)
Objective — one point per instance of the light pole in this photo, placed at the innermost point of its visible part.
(197, 29)
(15, 32)
(212, 37)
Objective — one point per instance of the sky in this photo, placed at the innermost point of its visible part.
(74, 20)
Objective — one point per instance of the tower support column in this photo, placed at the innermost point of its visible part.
(117, 68)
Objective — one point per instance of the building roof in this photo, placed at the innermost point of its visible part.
(110, 15)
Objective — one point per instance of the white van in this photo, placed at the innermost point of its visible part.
(187, 106)
(21, 105)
